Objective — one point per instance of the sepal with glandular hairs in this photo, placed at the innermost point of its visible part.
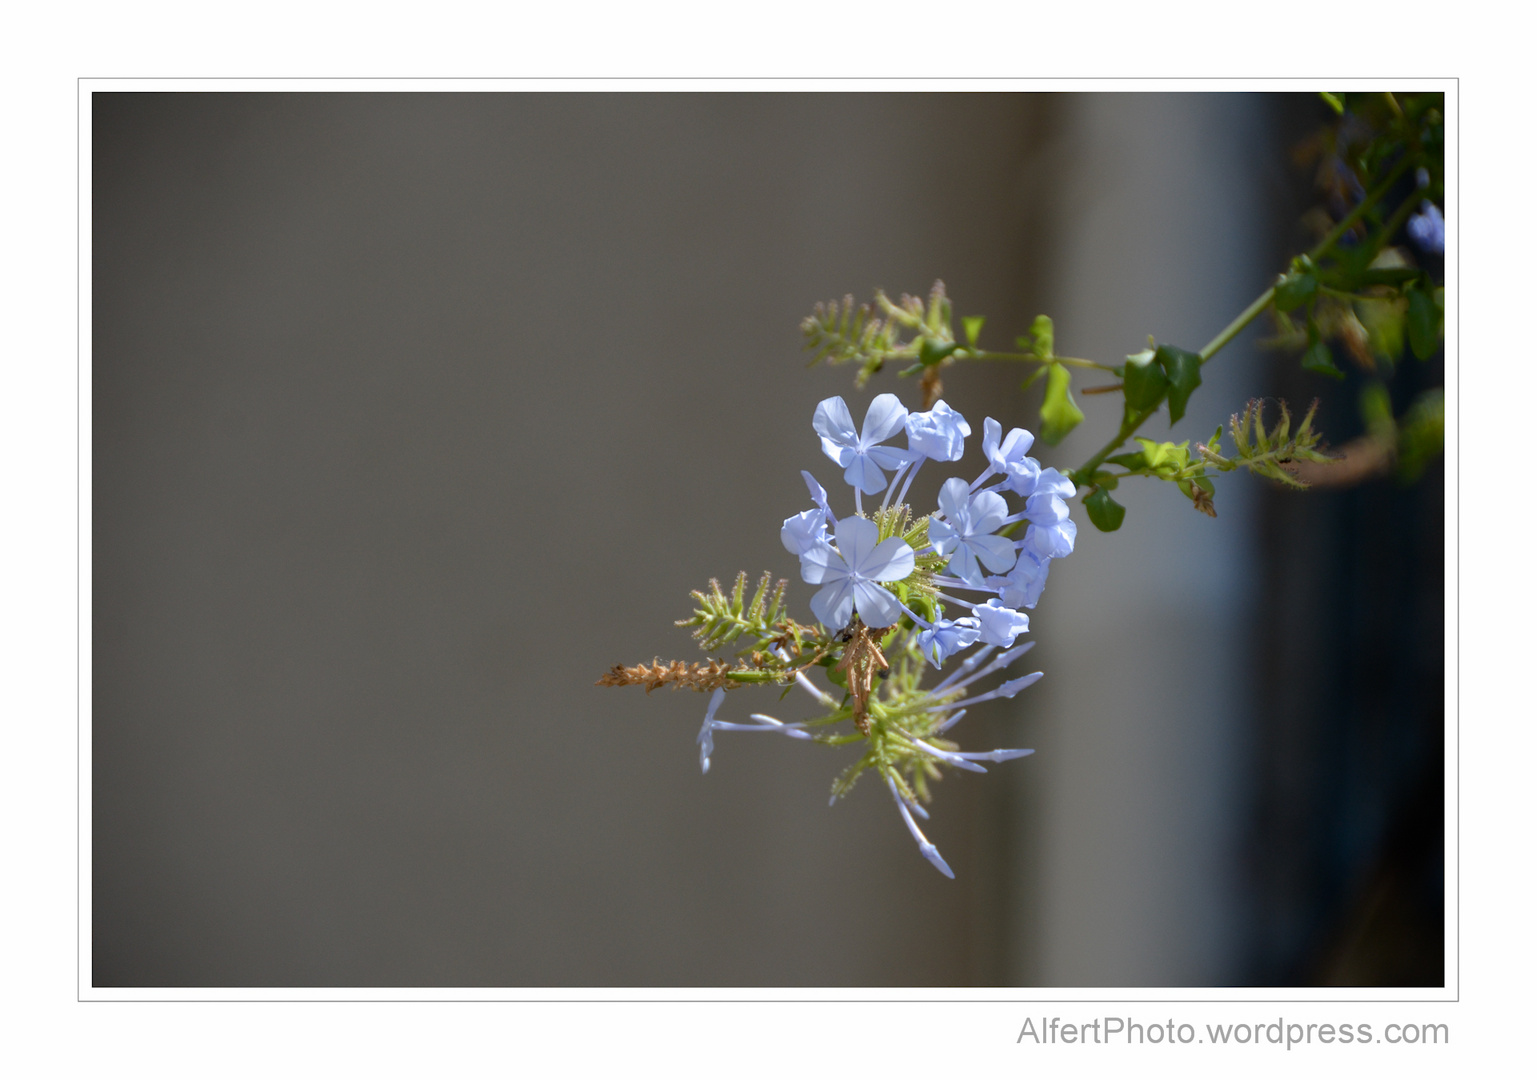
(1266, 451)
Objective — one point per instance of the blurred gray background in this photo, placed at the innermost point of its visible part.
(412, 414)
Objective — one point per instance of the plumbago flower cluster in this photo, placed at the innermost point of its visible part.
(888, 579)
(900, 591)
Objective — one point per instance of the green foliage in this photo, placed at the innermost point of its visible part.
(843, 333)
(1265, 451)
(973, 326)
(1041, 340)
(1183, 370)
(872, 335)
(1144, 382)
(1104, 512)
(1424, 319)
(1059, 412)
(1421, 433)
(721, 619)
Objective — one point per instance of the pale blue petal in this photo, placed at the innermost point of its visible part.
(834, 604)
(942, 536)
(892, 560)
(987, 512)
(992, 431)
(1054, 483)
(875, 605)
(832, 421)
(857, 537)
(821, 564)
(803, 531)
(1043, 509)
(864, 474)
(838, 452)
(885, 417)
(818, 493)
(889, 457)
(996, 552)
(963, 564)
(953, 499)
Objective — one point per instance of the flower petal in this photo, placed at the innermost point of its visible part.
(857, 537)
(833, 422)
(834, 604)
(875, 605)
(953, 500)
(864, 474)
(987, 511)
(996, 552)
(885, 417)
(891, 560)
(820, 564)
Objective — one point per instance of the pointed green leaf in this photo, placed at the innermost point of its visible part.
(1104, 512)
(1184, 373)
(1333, 101)
(973, 325)
(1059, 412)
(1145, 382)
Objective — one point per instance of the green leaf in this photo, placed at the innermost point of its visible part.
(1317, 357)
(1294, 290)
(1145, 382)
(973, 325)
(1184, 372)
(1129, 461)
(1059, 413)
(1333, 101)
(1424, 324)
(1045, 340)
(1104, 512)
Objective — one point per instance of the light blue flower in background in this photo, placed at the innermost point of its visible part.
(804, 531)
(848, 574)
(965, 534)
(939, 434)
(819, 496)
(858, 454)
(1009, 455)
(944, 639)
(1428, 229)
(1000, 625)
(1022, 587)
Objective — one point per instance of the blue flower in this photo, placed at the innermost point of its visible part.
(1000, 625)
(1022, 587)
(859, 455)
(1009, 456)
(943, 639)
(1428, 229)
(848, 574)
(964, 534)
(939, 434)
(804, 531)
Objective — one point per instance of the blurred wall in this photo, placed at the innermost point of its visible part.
(412, 415)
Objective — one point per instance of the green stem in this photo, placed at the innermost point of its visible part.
(1086, 470)
(1234, 328)
(1261, 302)
(1029, 358)
(1323, 246)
